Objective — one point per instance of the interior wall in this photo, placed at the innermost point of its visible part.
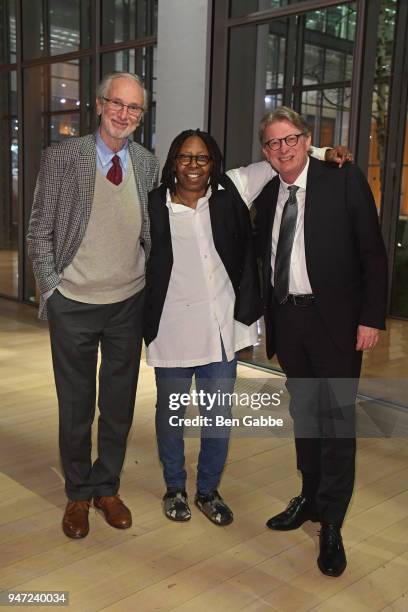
(183, 56)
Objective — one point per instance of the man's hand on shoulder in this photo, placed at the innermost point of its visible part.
(367, 337)
(339, 155)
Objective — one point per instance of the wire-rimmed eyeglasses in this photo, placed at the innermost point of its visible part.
(134, 110)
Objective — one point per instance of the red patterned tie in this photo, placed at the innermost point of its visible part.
(115, 171)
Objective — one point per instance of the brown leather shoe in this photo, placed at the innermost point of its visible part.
(114, 511)
(75, 523)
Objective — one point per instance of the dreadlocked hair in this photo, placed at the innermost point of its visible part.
(168, 177)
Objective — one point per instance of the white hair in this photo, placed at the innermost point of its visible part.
(104, 85)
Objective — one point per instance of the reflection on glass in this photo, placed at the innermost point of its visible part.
(62, 28)
(313, 64)
(65, 86)
(8, 32)
(377, 140)
(256, 78)
(337, 21)
(63, 126)
(124, 20)
(399, 297)
(327, 60)
(275, 62)
(325, 65)
(239, 8)
(272, 101)
(8, 185)
(385, 36)
(49, 116)
(327, 112)
(141, 61)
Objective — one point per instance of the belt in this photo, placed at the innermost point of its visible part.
(301, 300)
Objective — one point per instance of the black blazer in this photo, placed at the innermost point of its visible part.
(233, 240)
(345, 254)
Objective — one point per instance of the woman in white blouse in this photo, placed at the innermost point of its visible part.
(202, 300)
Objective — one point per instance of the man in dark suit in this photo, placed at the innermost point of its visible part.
(88, 239)
(325, 281)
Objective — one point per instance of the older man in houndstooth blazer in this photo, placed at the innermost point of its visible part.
(88, 240)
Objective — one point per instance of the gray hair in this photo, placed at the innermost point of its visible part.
(283, 113)
(104, 85)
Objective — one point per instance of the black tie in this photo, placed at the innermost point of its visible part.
(285, 244)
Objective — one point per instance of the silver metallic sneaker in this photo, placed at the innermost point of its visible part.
(214, 508)
(175, 506)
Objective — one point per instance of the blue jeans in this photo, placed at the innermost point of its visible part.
(212, 378)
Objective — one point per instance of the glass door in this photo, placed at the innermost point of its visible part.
(399, 295)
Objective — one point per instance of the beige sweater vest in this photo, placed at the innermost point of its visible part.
(109, 265)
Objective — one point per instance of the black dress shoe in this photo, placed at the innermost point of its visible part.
(332, 559)
(298, 511)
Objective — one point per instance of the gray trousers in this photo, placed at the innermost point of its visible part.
(77, 330)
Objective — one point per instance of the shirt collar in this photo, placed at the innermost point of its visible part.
(175, 207)
(301, 179)
(105, 154)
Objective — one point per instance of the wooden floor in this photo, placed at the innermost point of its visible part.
(192, 567)
(9, 272)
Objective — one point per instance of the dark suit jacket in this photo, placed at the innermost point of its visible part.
(233, 240)
(345, 254)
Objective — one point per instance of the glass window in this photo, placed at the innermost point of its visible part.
(64, 28)
(275, 61)
(313, 68)
(64, 125)
(338, 21)
(399, 296)
(256, 77)
(327, 71)
(51, 113)
(64, 86)
(124, 20)
(140, 61)
(385, 37)
(8, 32)
(9, 151)
(240, 8)
(327, 112)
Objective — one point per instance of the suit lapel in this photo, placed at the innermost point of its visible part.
(86, 170)
(313, 196)
(140, 176)
(273, 199)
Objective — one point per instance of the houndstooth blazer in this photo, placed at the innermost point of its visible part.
(63, 201)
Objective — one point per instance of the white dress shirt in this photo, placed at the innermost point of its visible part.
(299, 283)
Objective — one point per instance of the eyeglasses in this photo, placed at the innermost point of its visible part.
(275, 143)
(185, 159)
(134, 110)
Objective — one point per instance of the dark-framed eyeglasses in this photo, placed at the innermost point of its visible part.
(185, 159)
(291, 140)
(134, 110)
